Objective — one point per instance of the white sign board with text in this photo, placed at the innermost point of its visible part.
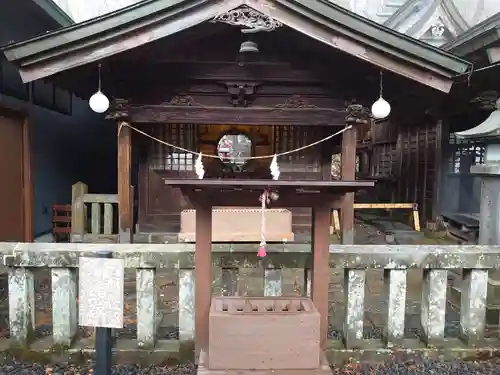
(101, 292)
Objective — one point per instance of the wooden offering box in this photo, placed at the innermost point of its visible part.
(240, 225)
(263, 333)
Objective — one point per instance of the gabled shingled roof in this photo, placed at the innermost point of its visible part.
(151, 20)
(407, 10)
(56, 13)
(477, 37)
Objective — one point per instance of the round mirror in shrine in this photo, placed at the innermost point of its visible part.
(234, 149)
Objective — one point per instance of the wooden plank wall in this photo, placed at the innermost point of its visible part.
(411, 156)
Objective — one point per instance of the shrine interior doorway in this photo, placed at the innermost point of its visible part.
(240, 153)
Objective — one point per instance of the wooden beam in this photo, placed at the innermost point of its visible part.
(250, 184)
(125, 198)
(203, 278)
(348, 172)
(321, 266)
(233, 115)
(441, 142)
(251, 199)
(28, 219)
(223, 71)
(246, 192)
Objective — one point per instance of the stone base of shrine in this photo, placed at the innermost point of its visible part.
(323, 369)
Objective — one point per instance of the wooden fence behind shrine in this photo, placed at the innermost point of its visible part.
(374, 320)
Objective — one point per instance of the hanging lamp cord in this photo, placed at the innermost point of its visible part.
(99, 77)
(381, 83)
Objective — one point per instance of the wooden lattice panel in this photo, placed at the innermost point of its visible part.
(263, 333)
(288, 138)
(165, 158)
(240, 225)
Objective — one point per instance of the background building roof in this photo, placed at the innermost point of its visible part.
(434, 21)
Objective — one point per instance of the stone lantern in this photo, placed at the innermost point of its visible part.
(489, 173)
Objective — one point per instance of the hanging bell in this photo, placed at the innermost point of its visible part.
(249, 47)
(248, 52)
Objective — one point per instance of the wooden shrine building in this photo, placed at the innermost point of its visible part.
(268, 76)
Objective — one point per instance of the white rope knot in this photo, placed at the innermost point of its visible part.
(199, 168)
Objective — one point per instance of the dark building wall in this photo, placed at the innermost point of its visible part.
(461, 190)
(69, 142)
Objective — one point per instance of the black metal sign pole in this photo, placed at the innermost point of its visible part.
(103, 339)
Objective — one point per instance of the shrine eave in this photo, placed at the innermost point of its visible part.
(150, 20)
(487, 129)
(476, 38)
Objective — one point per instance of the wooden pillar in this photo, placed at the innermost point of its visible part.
(348, 171)
(356, 115)
(320, 277)
(364, 163)
(125, 197)
(203, 274)
(442, 139)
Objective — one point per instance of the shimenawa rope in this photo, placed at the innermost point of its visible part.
(247, 158)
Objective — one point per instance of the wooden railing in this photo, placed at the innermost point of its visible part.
(354, 263)
(94, 217)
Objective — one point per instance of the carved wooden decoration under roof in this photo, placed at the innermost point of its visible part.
(241, 94)
(295, 101)
(249, 19)
(118, 109)
(485, 100)
(358, 114)
(183, 100)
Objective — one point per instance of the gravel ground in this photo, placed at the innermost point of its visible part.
(394, 368)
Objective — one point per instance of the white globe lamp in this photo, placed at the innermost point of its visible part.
(381, 109)
(99, 102)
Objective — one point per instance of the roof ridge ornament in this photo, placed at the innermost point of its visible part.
(249, 19)
(438, 28)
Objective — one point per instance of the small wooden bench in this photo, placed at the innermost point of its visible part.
(61, 222)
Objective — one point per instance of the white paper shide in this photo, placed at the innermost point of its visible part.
(199, 168)
(275, 168)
